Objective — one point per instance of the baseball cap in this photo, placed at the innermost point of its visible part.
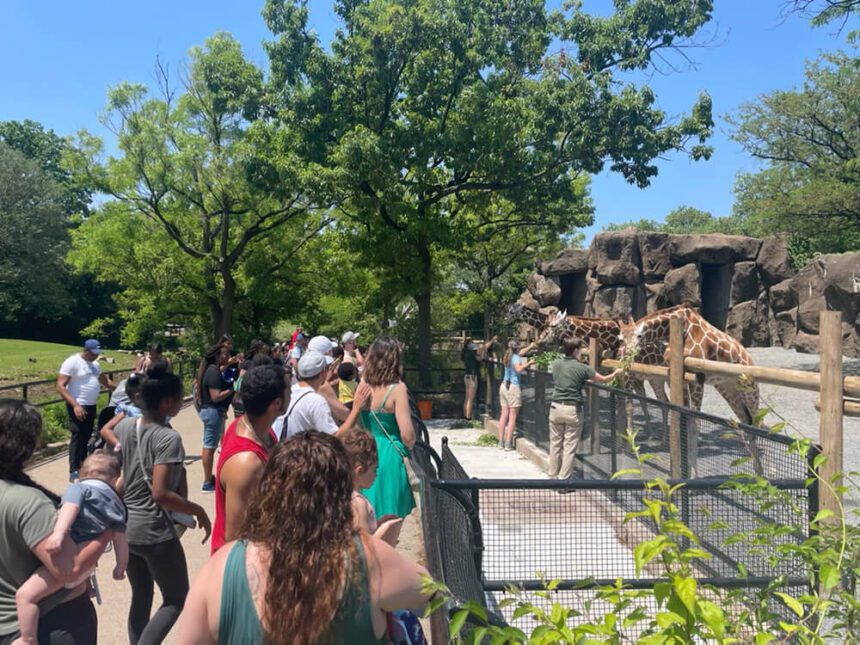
(311, 364)
(322, 345)
(94, 346)
(348, 336)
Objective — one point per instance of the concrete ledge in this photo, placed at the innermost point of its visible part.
(534, 453)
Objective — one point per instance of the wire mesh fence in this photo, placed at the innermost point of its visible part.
(482, 536)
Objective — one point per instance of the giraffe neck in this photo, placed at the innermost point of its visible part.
(607, 332)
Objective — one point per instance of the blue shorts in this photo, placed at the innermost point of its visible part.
(213, 426)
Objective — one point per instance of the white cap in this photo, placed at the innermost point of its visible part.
(322, 345)
(348, 336)
(311, 364)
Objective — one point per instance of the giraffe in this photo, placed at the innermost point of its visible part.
(702, 340)
(518, 312)
(608, 334)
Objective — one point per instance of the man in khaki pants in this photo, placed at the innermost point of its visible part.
(565, 415)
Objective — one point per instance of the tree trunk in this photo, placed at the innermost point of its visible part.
(425, 334)
(228, 302)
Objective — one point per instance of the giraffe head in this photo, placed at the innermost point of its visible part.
(517, 312)
(630, 336)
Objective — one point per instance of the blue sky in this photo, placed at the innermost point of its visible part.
(57, 60)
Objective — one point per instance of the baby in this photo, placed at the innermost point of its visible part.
(91, 506)
(361, 448)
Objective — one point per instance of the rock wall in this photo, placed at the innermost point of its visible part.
(745, 286)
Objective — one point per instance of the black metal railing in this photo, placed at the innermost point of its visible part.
(481, 536)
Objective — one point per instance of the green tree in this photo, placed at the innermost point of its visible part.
(686, 219)
(809, 141)
(421, 112)
(34, 241)
(203, 186)
(47, 149)
(822, 12)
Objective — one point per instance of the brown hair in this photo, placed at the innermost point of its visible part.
(513, 348)
(302, 513)
(382, 363)
(361, 448)
(101, 465)
(570, 345)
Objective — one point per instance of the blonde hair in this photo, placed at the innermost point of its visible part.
(513, 348)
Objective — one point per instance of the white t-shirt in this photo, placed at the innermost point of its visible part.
(83, 383)
(307, 411)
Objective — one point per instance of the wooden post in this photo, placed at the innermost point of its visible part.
(676, 392)
(594, 397)
(830, 425)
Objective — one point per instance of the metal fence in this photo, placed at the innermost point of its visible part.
(481, 536)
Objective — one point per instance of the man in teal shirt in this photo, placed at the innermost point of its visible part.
(565, 415)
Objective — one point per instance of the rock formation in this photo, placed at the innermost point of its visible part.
(743, 285)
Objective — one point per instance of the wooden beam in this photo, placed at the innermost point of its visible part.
(676, 392)
(651, 371)
(830, 424)
(594, 398)
(850, 408)
(775, 375)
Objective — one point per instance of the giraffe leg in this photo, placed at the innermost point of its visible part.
(637, 386)
(659, 387)
(695, 394)
(742, 398)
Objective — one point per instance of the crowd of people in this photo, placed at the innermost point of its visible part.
(310, 492)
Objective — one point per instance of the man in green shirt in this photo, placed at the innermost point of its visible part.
(569, 376)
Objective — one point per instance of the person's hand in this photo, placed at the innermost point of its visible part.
(203, 523)
(362, 396)
(53, 543)
(80, 413)
(389, 531)
(118, 572)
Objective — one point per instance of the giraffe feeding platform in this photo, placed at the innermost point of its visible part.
(513, 526)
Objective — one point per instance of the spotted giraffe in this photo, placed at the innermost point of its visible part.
(702, 340)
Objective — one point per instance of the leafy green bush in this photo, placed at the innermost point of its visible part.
(545, 359)
(55, 424)
(487, 439)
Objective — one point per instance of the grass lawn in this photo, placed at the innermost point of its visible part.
(16, 364)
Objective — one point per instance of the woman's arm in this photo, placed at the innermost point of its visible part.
(84, 561)
(522, 366)
(107, 432)
(167, 499)
(395, 581)
(198, 623)
(403, 415)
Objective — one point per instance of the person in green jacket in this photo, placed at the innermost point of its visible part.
(569, 376)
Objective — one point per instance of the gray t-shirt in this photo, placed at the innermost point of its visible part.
(147, 522)
(100, 509)
(27, 517)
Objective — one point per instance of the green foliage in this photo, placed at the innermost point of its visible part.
(441, 126)
(211, 204)
(545, 359)
(686, 220)
(30, 360)
(824, 12)
(55, 424)
(488, 439)
(34, 240)
(807, 139)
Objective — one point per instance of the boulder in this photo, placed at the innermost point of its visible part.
(809, 283)
(782, 296)
(712, 248)
(842, 283)
(684, 286)
(617, 257)
(805, 343)
(809, 312)
(614, 302)
(748, 322)
(566, 261)
(773, 260)
(655, 297)
(745, 283)
(528, 301)
(784, 327)
(654, 251)
(851, 340)
(545, 290)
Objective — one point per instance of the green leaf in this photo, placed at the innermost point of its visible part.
(713, 617)
(763, 638)
(792, 604)
(829, 576)
(822, 515)
(457, 622)
(685, 588)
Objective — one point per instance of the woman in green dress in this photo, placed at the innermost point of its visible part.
(390, 423)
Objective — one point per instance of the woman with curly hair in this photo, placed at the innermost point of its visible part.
(28, 513)
(390, 422)
(301, 573)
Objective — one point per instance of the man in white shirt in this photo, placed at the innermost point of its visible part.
(79, 384)
(324, 346)
(308, 410)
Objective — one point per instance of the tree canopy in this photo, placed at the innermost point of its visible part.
(808, 141)
(421, 113)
